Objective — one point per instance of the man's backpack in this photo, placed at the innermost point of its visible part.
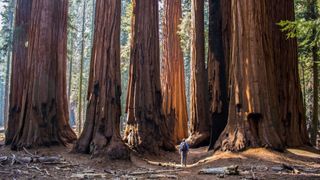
(184, 147)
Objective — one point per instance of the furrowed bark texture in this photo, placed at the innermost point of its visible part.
(265, 100)
(286, 59)
(146, 130)
(43, 118)
(101, 133)
(172, 73)
(19, 65)
(199, 112)
(217, 73)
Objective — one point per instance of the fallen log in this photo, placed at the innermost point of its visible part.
(230, 170)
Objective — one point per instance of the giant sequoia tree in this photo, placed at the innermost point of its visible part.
(19, 65)
(44, 111)
(265, 101)
(101, 132)
(199, 121)
(172, 73)
(146, 130)
(217, 76)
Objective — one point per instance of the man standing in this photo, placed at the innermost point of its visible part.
(184, 149)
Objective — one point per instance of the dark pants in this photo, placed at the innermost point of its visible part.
(184, 158)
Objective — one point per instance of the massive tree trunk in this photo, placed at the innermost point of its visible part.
(19, 65)
(199, 112)
(101, 133)
(146, 129)
(217, 76)
(172, 73)
(292, 113)
(43, 118)
(265, 107)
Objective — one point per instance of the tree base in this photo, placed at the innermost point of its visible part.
(239, 139)
(197, 139)
(64, 139)
(114, 150)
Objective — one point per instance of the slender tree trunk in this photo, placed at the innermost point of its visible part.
(313, 15)
(9, 57)
(101, 132)
(217, 76)
(199, 121)
(172, 73)
(19, 65)
(265, 107)
(1, 104)
(70, 69)
(44, 114)
(146, 129)
(81, 66)
(315, 116)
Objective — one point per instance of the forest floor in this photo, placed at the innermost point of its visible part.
(253, 164)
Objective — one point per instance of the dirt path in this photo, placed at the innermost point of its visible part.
(254, 163)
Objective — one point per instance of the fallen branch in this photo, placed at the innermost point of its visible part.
(153, 172)
(161, 176)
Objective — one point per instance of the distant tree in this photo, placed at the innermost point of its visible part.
(80, 100)
(44, 114)
(313, 15)
(172, 73)
(199, 121)
(7, 33)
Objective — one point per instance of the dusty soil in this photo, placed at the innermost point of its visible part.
(253, 164)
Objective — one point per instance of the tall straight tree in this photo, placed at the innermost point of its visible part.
(80, 98)
(313, 15)
(101, 133)
(199, 112)
(11, 6)
(19, 65)
(172, 73)
(146, 129)
(217, 73)
(44, 111)
(265, 107)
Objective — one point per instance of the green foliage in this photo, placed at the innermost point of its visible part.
(303, 30)
(7, 16)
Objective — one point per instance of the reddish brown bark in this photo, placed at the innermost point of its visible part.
(43, 119)
(265, 101)
(286, 59)
(172, 73)
(19, 65)
(146, 130)
(101, 133)
(199, 121)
